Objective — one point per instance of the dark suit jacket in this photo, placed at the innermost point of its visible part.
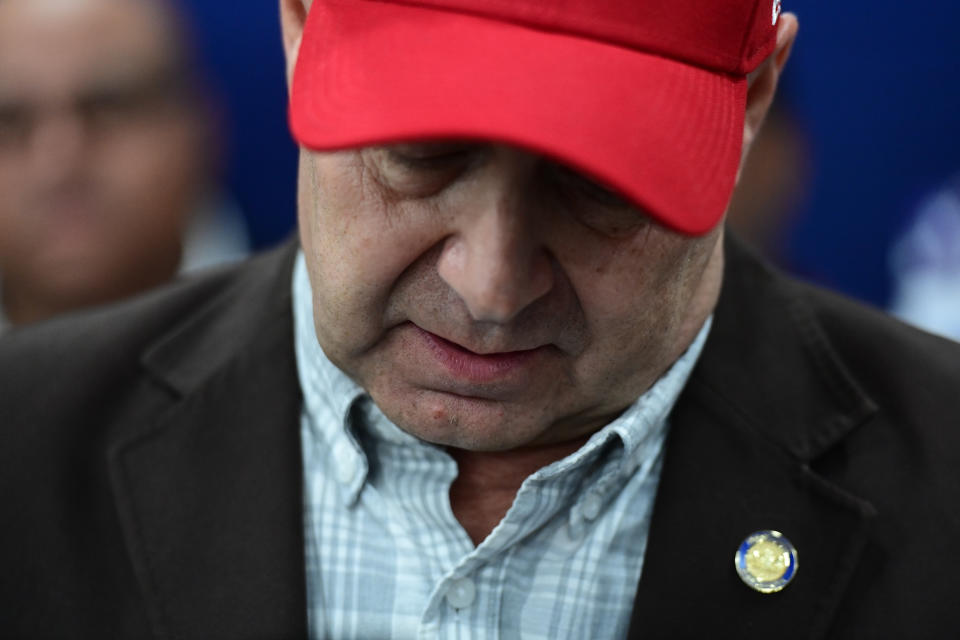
(150, 470)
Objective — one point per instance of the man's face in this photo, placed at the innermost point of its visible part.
(99, 157)
(488, 298)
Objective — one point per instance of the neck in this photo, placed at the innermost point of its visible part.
(20, 309)
(22, 306)
(488, 482)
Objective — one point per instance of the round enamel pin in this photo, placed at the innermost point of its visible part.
(766, 561)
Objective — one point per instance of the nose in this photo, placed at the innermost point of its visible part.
(57, 146)
(497, 263)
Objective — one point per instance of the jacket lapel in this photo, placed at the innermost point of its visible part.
(210, 495)
(768, 399)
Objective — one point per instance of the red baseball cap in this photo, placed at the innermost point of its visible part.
(646, 96)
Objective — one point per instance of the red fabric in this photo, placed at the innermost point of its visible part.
(665, 133)
(708, 33)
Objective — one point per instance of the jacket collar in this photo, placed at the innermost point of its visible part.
(769, 356)
(209, 495)
(769, 397)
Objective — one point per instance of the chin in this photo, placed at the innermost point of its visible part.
(474, 424)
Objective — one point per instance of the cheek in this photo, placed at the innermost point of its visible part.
(636, 296)
(151, 178)
(11, 233)
(357, 248)
(12, 184)
(345, 231)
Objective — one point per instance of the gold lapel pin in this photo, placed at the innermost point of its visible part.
(766, 561)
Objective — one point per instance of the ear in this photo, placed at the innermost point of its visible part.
(762, 82)
(293, 17)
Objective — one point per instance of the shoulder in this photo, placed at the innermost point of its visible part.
(893, 363)
(833, 381)
(862, 412)
(136, 320)
(86, 363)
(133, 410)
(908, 372)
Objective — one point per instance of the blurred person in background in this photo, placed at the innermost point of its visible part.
(925, 262)
(106, 161)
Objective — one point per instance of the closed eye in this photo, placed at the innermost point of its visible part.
(422, 170)
(431, 156)
(575, 183)
(594, 205)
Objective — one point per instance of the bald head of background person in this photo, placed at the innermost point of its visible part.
(104, 151)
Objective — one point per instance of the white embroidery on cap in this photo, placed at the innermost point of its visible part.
(777, 4)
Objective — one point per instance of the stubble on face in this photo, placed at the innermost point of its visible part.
(621, 309)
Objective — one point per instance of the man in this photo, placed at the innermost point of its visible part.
(88, 215)
(515, 384)
(925, 261)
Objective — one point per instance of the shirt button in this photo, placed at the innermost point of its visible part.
(630, 466)
(345, 461)
(569, 537)
(461, 593)
(591, 507)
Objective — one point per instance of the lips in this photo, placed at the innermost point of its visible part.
(467, 365)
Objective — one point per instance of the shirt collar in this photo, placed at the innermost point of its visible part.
(642, 427)
(330, 397)
(321, 380)
(329, 394)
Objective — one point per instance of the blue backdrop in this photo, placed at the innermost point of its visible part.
(240, 45)
(877, 85)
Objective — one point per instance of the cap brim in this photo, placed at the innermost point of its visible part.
(665, 134)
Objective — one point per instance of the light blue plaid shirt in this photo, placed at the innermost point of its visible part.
(386, 558)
